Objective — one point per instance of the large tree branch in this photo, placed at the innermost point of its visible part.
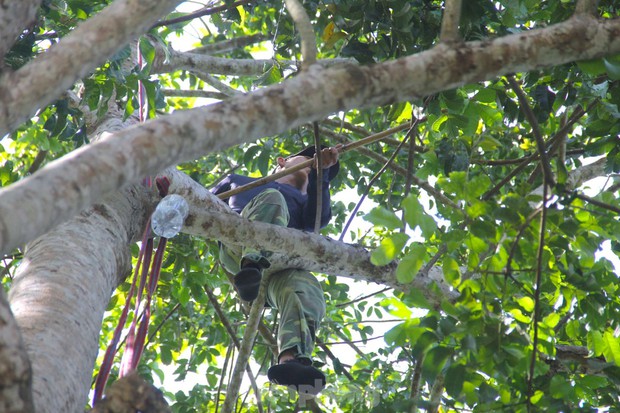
(15, 371)
(15, 16)
(209, 217)
(43, 80)
(63, 188)
(198, 62)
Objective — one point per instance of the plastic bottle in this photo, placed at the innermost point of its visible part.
(169, 215)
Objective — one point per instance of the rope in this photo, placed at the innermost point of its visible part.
(148, 269)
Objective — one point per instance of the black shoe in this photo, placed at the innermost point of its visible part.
(247, 281)
(305, 379)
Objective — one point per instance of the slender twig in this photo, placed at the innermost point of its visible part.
(246, 348)
(577, 114)
(539, 270)
(223, 376)
(267, 335)
(334, 359)
(206, 11)
(342, 336)
(364, 297)
(208, 94)
(212, 81)
(518, 237)
(450, 21)
(409, 178)
(491, 192)
(415, 384)
(370, 184)
(363, 341)
(540, 143)
(233, 337)
(502, 162)
(153, 333)
(596, 202)
(38, 161)
(341, 124)
(436, 393)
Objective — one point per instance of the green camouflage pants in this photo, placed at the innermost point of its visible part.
(295, 293)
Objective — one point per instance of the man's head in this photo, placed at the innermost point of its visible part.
(298, 179)
(310, 151)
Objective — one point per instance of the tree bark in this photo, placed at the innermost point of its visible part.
(15, 371)
(15, 16)
(44, 79)
(87, 175)
(61, 290)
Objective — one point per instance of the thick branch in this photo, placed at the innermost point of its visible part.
(210, 218)
(450, 21)
(206, 11)
(15, 371)
(586, 7)
(213, 64)
(132, 394)
(15, 16)
(198, 62)
(306, 32)
(32, 206)
(43, 80)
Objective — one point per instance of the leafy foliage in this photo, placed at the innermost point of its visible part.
(477, 148)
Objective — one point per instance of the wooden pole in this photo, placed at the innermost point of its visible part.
(344, 148)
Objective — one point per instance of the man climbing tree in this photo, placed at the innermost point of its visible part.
(292, 201)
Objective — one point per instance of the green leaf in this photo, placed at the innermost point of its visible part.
(611, 348)
(389, 248)
(382, 217)
(559, 387)
(612, 67)
(538, 394)
(593, 67)
(595, 342)
(455, 376)
(434, 361)
(147, 50)
(416, 216)
(451, 270)
(411, 263)
(527, 303)
(486, 95)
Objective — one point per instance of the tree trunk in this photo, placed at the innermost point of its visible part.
(61, 291)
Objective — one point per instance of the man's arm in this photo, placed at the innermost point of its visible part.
(329, 157)
(223, 186)
(310, 210)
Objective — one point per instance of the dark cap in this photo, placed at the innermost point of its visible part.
(310, 151)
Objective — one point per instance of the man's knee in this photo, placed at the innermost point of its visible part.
(271, 196)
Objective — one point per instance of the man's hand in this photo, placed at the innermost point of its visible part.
(329, 156)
